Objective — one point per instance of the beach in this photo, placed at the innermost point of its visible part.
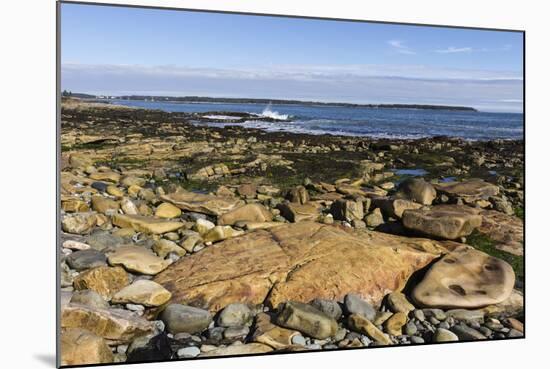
(189, 234)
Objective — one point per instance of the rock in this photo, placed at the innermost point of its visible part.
(294, 212)
(443, 221)
(79, 223)
(272, 335)
(143, 292)
(375, 218)
(299, 340)
(417, 190)
(394, 208)
(514, 324)
(513, 305)
(104, 205)
(219, 233)
(72, 205)
(235, 315)
(145, 224)
(306, 319)
(163, 247)
(247, 213)
(465, 333)
(203, 226)
(137, 259)
(362, 325)
(247, 190)
(117, 326)
(236, 333)
(347, 210)
(167, 211)
(133, 181)
(108, 176)
(104, 280)
(191, 241)
(114, 191)
(444, 335)
(188, 352)
(469, 191)
(86, 259)
(329, 307)
(467, 315)
(395, 323)
(75, 245)
(465, 278)
(102, 240)
(206, 204)
(354, 304)
(181, 318)
(150, 348)
(504, 230)
(89, 298)
(300, 262)
(298, 195)
(81, 347)
(397, 302)
(246, 349)
(100, 186)
(128, 207)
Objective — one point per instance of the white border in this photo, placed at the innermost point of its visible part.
(28, 180)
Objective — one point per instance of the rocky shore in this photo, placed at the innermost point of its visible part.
(183, 241)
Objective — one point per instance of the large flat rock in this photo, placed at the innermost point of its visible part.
(298, 262)
(146, 224)
(201, 203)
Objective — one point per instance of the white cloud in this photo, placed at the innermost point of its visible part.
(332, 83)
(400, 47)
(452, 50)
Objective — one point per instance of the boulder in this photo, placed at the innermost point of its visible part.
(469, 191)
(185, 319)
(247, 213)
(397, 302)
(163, 247)
(465, 278)
(354, 304)
(143, 292)
(329, 307)
(395, 323)
(294, 212)
(82, 347)
(298, 195)
(300, 262)
(88, 298)
(104, 280)
(137, 259)
(219, 233)
(117, 326)
(443, 221)
(306, 319)
(145, 224)
(347, 210)
(417, 190)
(394, 208)
(108, 176)
(375, 218)
(167, 211)
(200, 203)
(235, 315)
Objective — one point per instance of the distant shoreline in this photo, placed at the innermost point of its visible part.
(230, 100)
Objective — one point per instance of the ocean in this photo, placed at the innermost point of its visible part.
(356, 121)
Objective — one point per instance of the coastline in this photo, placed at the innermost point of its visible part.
(248, 232)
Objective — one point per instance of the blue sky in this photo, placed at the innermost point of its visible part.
(113, 50)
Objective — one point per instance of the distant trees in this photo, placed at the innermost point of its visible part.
(66, 93)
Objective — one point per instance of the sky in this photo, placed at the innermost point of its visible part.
(123, 51)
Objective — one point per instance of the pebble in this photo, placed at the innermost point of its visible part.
(298, 340)
(444, 335)
(188, 352)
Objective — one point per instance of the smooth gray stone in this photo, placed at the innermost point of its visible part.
(181, 318)
(466, 333)
(354, 304)
(329, 307)
(235, 315)
(190, 351)
(86, 259)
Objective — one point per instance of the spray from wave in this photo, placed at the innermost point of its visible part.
(268, 113)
